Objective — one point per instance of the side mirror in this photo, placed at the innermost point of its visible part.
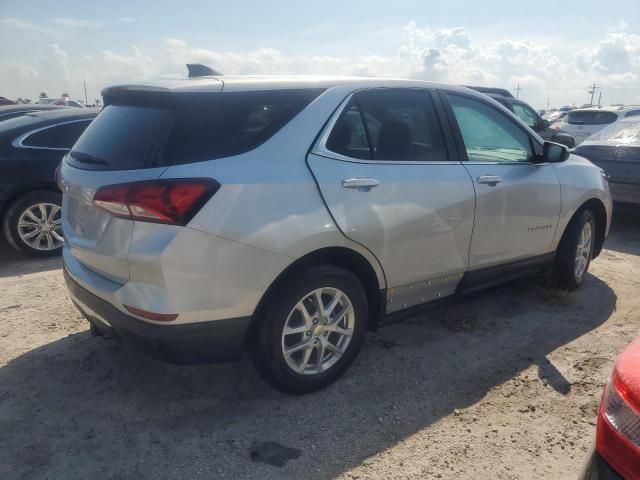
(546, 123)
(554, 152)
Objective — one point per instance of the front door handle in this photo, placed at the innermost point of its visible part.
(364, 184)
(491, 180)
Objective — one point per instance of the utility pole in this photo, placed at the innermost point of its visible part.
(599, 98)
(548, 94)
(593, 91)
(518, 91)
(84, 82)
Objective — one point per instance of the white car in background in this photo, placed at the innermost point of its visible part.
(584, 122)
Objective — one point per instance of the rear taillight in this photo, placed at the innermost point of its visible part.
(173, 201)
(618, 430)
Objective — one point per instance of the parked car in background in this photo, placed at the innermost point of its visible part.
(529, 116)
(31, 147)
(12, 111)
(616, 149)
(581, 123)
(6, 101)
(492, 90)
(67, 102)
(288, 216)
(616, 455)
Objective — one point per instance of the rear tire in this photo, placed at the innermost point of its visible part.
(300, 352)
(575, 251)
(32, 224)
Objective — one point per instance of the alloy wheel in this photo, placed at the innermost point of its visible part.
(318, 331)
(583, 252)
(40, 226)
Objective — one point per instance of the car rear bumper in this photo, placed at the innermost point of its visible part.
(597, 469)
(191, 343)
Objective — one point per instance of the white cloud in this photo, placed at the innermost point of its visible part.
(70, 22)
(25, 25)
(447, 54)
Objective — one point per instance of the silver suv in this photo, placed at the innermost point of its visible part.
(287, 216)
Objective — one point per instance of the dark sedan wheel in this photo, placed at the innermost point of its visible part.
(33, 224)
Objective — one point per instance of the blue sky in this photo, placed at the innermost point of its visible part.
(53, 46)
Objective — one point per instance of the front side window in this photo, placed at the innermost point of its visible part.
(489, 135)
(632, 113)
(525, 114)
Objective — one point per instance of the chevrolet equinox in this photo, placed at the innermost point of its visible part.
(287, 216)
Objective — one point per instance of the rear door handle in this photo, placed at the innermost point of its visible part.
(490, 179)
(365, 184)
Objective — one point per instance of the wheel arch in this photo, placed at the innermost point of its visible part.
(342, 257)
(599, 211)
(16, 194)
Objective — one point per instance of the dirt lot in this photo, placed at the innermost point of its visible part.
(501, 385)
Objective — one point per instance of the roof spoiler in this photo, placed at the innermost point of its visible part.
(197, 70)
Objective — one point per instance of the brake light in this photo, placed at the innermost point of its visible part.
(618, 429)
(172, 201)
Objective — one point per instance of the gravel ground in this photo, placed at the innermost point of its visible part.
(502, 385)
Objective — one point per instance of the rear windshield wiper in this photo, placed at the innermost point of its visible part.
(86, 158)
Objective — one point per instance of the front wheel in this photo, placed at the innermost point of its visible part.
(33, 224)
(312, 331)
(575, 251)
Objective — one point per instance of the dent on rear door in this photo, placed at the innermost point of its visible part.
(417, 222)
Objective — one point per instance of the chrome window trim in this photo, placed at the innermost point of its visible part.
(18, 142)
(320, 147)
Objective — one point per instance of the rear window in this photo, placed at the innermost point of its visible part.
(192, 127)
(591, 118)
(624, 132)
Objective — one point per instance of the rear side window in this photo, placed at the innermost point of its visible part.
(189, 127)
(489, 135)
(348, 136)
(632, 113)
(591, 118)
(396, 125)
(402, 125)
(58, 136)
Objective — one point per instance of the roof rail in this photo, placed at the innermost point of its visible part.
(197, 70)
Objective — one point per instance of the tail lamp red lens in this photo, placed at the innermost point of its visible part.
(618, 429)
(172, 201)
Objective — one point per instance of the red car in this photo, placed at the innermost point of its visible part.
(617, 447)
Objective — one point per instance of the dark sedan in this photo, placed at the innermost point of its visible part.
(616, 149)
(31, 148)
(11, 111)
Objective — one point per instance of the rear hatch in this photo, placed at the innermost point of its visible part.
(583, 123)
(616, 150)
(141, 131)
(621, 163)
